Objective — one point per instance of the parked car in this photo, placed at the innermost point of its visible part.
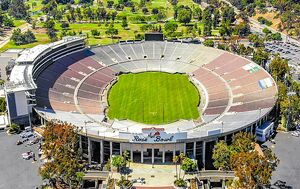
(26, 134)
(27, 155)
(295, 134)
(33, 141)
(19, 142)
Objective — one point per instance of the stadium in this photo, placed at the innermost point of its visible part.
(188, 96)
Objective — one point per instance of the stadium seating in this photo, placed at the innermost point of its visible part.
(234, 85)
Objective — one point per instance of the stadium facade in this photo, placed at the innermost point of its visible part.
(69, 81)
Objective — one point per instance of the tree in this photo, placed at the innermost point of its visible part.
(118, 161)
(242, 29)
(4, 4)
(175, 161)
(261, 57)
(17, 37)
(262, 20)
(184, 15)
(64, 25)
(279, 68)
(198, 13)
(243, 142)
(88, 12)
(170, 27)
(110, 4)
(225, 29)
(228, 14)
(8, 21)
(101, 14)
(50, 7)
(276, 36)
(160, 16)
(145, 10)
(78, 13)
(20, 38)
(62, 151)
(207, 21)
(256, 40)
(95, 32)
(251, 168)
(124, 22)
(188, 165)
(112, 31)
(51, 31)
(266, 31)
(216, 19)
(113, 15)
(179, 182)
(221, 156)
(18, 9)
(155, 11)
(29, 37)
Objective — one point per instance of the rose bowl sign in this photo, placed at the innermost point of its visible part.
(154, 135)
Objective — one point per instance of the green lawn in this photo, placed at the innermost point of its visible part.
(18, 23)
(41, 39)
(153, 98)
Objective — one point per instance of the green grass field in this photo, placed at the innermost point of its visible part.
(153, 98)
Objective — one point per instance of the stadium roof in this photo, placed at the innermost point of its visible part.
(29, 55)
(20, 79)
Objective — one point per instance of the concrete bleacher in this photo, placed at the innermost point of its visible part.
(76, 83)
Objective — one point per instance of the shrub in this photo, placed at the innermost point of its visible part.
(95, 32)
(64, 25)
(2, 104)
(145, 10)
(14, 128)
(262, 20)
(209, 43)
(110, 4)
(266, 31)
(155, 11)
(180, 183)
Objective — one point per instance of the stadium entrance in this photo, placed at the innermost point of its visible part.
(153, 153)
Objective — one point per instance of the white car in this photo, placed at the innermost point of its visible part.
(295, 134)
(27, 155)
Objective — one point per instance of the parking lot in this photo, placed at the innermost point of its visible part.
(289, 51)
(287, 150)
(17, 173)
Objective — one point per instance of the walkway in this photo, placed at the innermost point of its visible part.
(158, 175)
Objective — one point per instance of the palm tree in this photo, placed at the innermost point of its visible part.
(175, 160)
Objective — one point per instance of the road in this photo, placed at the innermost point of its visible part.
(258, 27)
(23, 28)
